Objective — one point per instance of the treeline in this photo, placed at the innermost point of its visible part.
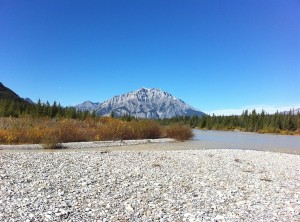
(284, 123)
(17, 108)
(249, 121)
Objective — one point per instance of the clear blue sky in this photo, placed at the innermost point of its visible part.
(213, 54)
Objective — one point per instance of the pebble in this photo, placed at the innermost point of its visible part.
(129, 208)
(31, 216)
(48, 217)
(188, 185)
(219, 218)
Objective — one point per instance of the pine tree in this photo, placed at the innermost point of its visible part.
(54, 110)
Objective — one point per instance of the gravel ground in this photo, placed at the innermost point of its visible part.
(92, 144)
(185, 185)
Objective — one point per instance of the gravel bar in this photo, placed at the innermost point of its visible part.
(184, 185)
(92, 144)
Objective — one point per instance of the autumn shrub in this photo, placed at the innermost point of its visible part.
(269, 130)
(7, 137)
(53, 132)
(71, 130)
(122, 130)
(286, 132)
(179, 132)
(51, 139)
(112, 130)
(149, 129)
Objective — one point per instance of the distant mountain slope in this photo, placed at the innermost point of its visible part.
(142, 103)
(87, 106)
(29, 100)
(294, 111)
(6, 93)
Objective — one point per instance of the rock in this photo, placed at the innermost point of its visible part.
(148, 213)
(48, 217)
(219, 218)
(128, 208)
(291, 209)
(31, 216)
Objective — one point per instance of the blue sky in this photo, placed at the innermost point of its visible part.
(218, 56)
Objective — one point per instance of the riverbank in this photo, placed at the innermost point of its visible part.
(186, 185)
(87, 145)
(278, 133)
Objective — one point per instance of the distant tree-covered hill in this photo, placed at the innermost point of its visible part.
(8, 94)
(13, 105)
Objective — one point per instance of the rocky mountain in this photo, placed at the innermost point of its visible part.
(87, 106)
(142, 103)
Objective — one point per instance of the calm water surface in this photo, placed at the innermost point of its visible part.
(241, 140)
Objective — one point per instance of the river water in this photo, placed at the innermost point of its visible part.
(212, 139)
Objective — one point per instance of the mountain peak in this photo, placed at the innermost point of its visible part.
(87, 106)
(143, 103)
(144, 89)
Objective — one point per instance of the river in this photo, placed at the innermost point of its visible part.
(212, 139)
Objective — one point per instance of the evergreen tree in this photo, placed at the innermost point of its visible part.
(54, 110)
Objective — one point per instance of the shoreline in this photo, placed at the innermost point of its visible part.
(83, 145)
(144, 145)
(241, 131)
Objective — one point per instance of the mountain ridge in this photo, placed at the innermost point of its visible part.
(142, 103)
(8, 94)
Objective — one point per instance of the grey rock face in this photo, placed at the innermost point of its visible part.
(142, 103)
(87, 106)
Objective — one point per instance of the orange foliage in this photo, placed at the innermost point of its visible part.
(45, 130)
(179, 132)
